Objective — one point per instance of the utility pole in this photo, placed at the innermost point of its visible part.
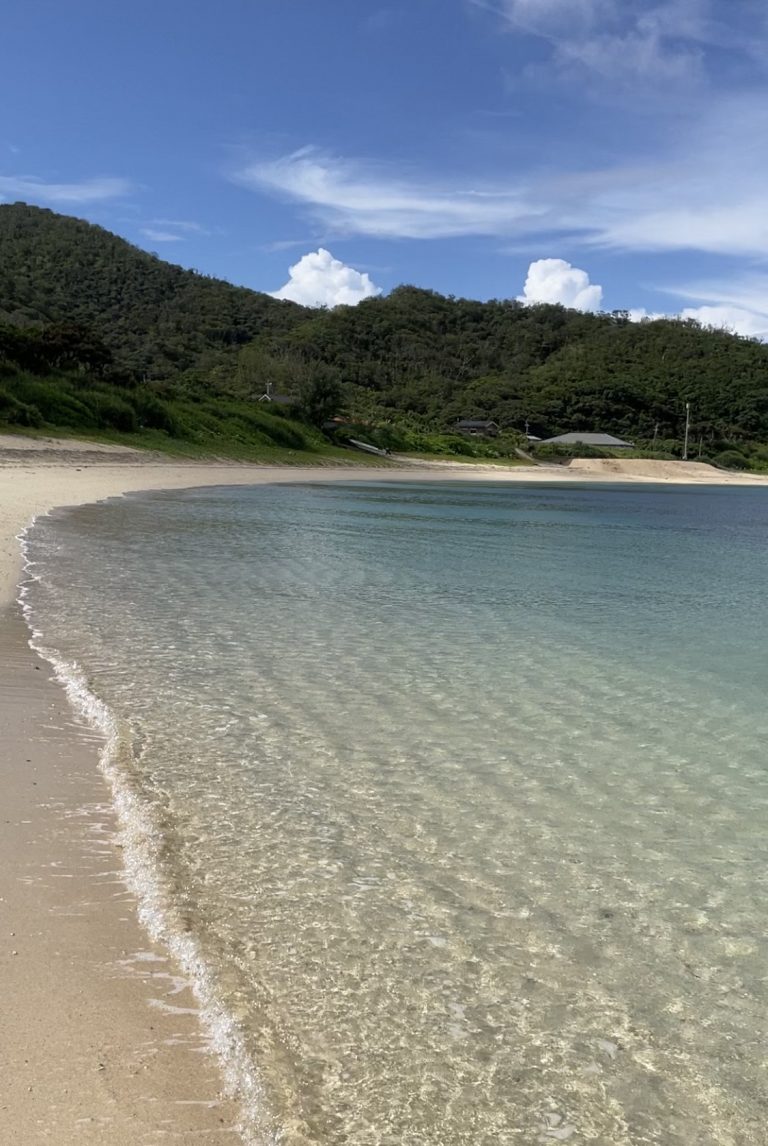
(687, 430)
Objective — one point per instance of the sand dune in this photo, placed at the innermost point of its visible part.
(622, 468)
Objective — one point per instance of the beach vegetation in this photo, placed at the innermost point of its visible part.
(732, 460)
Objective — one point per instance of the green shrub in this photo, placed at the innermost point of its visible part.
(732, 460)
(55, 402)
(17, 413)
(154, 414)
(112, 413)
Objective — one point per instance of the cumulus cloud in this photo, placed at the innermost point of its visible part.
(749, 323)
(640, 314)
(555, 280)
(740, 306)
(318, 279)
(32, 189)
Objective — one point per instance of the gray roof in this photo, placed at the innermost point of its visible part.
(474, 423)
(585, 440)
(280, 399)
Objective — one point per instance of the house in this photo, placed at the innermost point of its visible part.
(601, 441)
(278, 399)
(477, 428)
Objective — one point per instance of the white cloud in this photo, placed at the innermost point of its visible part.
(623, 41)
(739, 306)
(318, 279)
(180, 225)
(732, 318)
(158, 236)
(640, 314)
(171, 230)
(30, 188)
(555, 280)
(703, 189)
(353, 197)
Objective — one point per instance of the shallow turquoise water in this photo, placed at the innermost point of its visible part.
(458, 794)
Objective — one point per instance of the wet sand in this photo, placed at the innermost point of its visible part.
(100, 1040)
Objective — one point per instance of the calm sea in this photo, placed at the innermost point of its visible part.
(452, 798)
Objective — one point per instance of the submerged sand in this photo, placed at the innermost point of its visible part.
(100, 1038)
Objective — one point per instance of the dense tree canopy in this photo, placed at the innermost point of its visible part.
(94, 305)
(157, 319)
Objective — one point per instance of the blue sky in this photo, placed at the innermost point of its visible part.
(603, 153)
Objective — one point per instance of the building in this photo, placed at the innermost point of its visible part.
(601, 441)
(278, 399)
(477, 428)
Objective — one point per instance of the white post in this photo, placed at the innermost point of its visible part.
(687, 429)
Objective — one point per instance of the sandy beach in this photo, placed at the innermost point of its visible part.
(100, 1039)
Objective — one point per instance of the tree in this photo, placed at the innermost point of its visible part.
(321, 396)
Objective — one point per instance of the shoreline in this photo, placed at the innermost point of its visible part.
(32, 487)
(102, 1040)
(101, 1034)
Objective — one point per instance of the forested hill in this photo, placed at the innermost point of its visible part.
(157, 319)
(443, 358)
(413, 358)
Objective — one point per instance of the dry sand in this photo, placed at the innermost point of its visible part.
(99, 1042)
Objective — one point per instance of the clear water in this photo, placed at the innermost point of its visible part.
(455, 797)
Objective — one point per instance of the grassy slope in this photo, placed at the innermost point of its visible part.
(156, 442)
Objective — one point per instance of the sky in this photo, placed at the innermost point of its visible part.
(606, 154)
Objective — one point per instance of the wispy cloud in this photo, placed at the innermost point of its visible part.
(284, 245)
(707, 193)
(181, 225)
(29, 187)
(624, 41)
(172, 230)
(158, 236)
(703, 189)
(354, 197)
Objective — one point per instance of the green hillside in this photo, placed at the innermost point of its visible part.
(159, 320)
(104, 319)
